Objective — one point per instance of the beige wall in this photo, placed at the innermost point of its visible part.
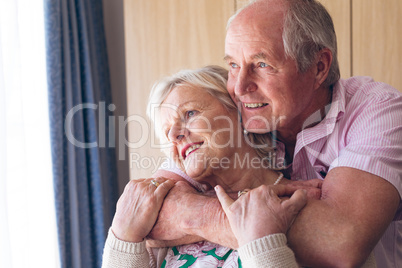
(369, 41)
(377, 40)
(340, 13)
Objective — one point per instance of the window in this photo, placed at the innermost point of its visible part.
(27, 214)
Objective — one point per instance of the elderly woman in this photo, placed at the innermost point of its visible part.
(201, 122)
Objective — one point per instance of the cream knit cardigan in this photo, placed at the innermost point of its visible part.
(269, 251)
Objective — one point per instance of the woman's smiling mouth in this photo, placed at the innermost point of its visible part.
(189, 148)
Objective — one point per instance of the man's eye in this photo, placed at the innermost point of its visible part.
(262, 65)
(233, 65)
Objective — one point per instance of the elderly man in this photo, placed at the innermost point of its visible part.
(284, 75)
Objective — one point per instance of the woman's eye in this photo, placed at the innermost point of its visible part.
(262, 65)
(190, 114)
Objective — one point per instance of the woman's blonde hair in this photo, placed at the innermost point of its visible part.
(211, 78)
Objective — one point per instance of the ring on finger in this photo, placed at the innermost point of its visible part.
(240, 193)
(155, 183)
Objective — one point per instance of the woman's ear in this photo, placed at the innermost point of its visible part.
(323, 64)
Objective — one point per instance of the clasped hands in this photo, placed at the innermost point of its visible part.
(257, 213)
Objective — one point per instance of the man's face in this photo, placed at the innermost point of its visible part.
(270, 92)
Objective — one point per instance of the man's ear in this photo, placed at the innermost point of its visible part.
(322, 65)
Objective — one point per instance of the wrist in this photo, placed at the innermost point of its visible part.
(196, 221)
(214, 225)
(124, 236)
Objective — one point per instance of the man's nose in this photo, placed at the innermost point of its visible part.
(177, 133)
(244, 83)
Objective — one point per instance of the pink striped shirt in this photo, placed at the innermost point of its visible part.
(362, 130)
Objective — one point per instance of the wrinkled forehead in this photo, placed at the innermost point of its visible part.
(181, 98)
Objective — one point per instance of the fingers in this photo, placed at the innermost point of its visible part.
(313, 187)
(224, 199)
(284, 189)
(289, 189)
(296, 202)
(316, 183)
(158, 187)
(164, 187)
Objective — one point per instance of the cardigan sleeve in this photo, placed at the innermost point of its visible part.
(121, 254)
(268, 251)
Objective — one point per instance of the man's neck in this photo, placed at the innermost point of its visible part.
(288, 136)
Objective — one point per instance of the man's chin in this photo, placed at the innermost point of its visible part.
(258, 129)
(259, 126)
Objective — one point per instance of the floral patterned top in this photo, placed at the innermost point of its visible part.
(201, 255)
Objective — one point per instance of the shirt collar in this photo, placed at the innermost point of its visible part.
(334, 112)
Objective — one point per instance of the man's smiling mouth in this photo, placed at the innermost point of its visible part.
(254, 105)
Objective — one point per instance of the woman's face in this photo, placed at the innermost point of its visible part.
(204, 135)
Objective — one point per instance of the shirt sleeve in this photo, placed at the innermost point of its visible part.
(269, 251)
(121, 254)
(373, 140)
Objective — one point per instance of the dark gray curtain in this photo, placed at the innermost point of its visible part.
(84, 165)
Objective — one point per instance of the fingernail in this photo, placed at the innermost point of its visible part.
(216, 188)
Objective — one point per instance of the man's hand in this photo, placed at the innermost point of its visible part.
(188, 216)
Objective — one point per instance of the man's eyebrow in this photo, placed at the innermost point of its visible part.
(227, 58)
(261, 56)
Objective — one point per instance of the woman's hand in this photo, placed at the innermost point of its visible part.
(260, 212)
(138, 208)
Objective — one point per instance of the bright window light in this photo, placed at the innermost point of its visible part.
(27, 212)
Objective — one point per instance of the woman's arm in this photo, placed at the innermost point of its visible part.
(268, 251)
(136, 213)
(121, 254)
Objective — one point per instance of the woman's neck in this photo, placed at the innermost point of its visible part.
(248, 171)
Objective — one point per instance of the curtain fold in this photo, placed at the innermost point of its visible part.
(80, 105)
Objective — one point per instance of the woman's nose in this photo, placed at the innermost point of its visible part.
(177, 133)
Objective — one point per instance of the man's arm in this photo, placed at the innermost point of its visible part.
(344, 226)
